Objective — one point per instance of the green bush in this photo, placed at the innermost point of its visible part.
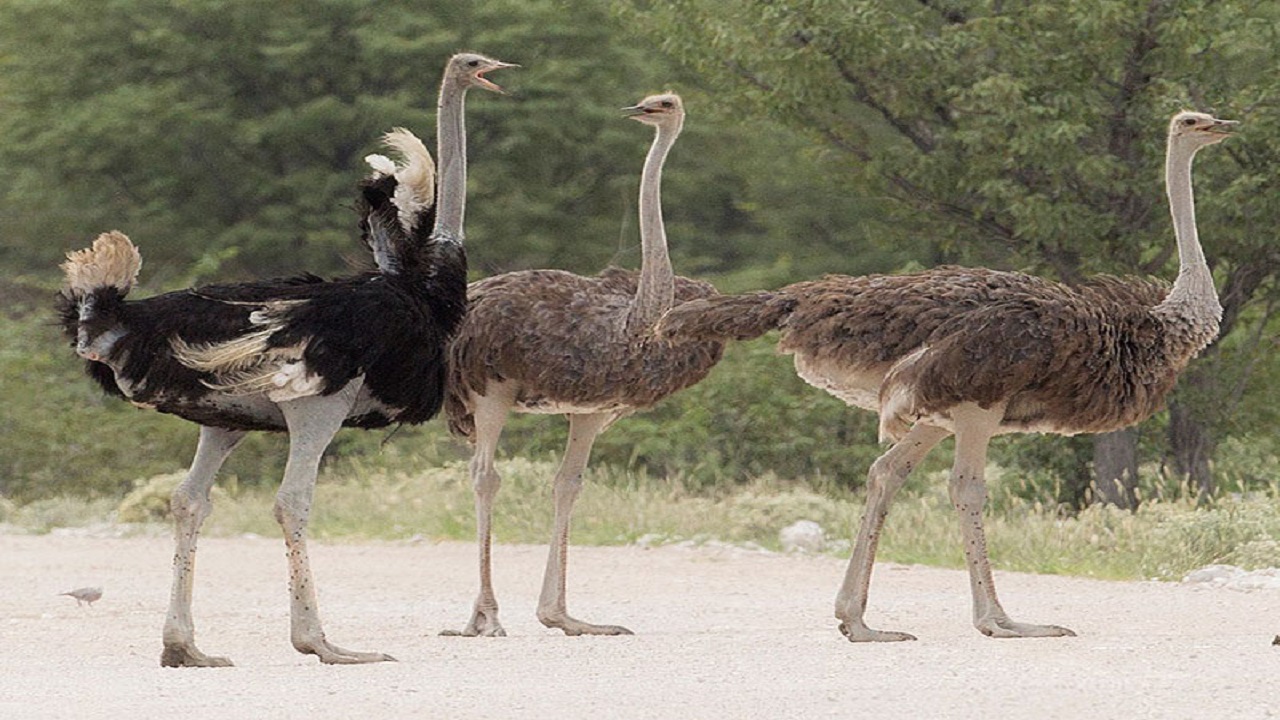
(1238, 532)
(148, 501)
(759, 512)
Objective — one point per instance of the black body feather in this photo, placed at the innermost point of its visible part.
(391, 328)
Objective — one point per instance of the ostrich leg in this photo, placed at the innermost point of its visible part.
(968, 489)
(490, 415)
(312, 421)
(190, 505)
(583, 430)
(885, 478)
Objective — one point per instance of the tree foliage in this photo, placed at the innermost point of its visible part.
(1023, 135)
(227, 135)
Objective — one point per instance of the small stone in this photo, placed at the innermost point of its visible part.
(1266, 579)
(649, 540)
(1213, 574)
(802, 536)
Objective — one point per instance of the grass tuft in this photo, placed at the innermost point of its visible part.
(399, 496)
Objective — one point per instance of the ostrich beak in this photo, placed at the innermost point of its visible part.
(636, 111)
(488, 84)
(1218, 130)
(1222, 127)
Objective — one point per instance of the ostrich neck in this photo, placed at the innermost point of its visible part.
(1192, 304)
(656, 290)
(451, 154)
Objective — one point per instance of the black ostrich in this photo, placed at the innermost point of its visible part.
(301, 355)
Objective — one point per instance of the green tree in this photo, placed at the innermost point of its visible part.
(1025, 135)
(226, 136)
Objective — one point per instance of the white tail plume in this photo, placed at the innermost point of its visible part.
(381, 164)
(415, 178)
(113, 261)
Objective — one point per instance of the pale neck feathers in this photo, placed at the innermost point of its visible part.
(1193, 301)
(655, 293)
(451, 151)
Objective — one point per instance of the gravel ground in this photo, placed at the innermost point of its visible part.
(721, 633)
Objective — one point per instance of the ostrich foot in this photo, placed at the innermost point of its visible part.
(859, 632)
(189, 656)
(573, 627)
(1003, 627)
(331, 654)
(484, 623)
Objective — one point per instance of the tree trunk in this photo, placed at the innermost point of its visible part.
(1074, 466)
(1115, 468)
(1192, 446)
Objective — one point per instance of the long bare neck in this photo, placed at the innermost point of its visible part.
(451, 154)
(656, 291)
(1193, 302)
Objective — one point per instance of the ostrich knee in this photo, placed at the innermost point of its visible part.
(886, 475)
(189, 508)
(567, 489)
(968, 492)
(291, 513)
(485, 480)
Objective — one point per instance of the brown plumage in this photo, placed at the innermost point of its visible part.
(550, 342)
(1067, 358)
(569, 349)
(977, 353)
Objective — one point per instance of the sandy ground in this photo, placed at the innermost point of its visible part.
(720, 634)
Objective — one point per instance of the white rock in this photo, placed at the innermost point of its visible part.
(802, 536)
(1213, 574)
(649, 540)
(1266, 579)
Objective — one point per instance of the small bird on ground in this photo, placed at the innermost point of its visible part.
(85, 595)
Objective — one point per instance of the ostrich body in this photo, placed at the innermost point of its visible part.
(977, 353)
(301, 355)
(550, 342)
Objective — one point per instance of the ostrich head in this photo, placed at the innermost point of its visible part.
(1198, 130)
(656, 110)
(468, 69)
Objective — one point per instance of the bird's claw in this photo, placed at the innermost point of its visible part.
(573, 627)
(330, 654)
(483, 623)
(188, 656)
(859, 632)
(1003, 627)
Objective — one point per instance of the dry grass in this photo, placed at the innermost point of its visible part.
(400, 498)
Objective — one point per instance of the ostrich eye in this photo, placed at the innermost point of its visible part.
(473, 63)
(666, 103)
(1189, 122)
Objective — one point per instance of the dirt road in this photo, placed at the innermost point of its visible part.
(720, 634)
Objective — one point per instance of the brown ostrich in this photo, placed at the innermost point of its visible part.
(301, 355)
(550, 342)
(977, 353)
